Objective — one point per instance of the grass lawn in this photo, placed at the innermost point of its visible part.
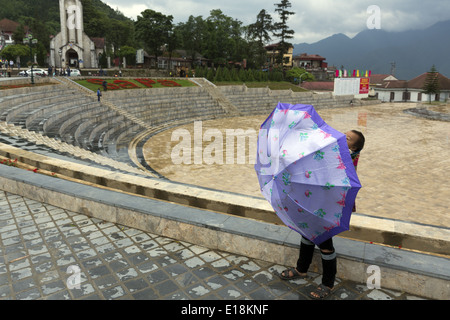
(94, 86)
(283, 85)
(186, 83)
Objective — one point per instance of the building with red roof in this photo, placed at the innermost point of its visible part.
(7, 30)
(310, 61)
(273, 51)
(314, 64)
(393, 90)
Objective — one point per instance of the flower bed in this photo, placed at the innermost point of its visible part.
(137, 83)
(14, 86)
(25, 84)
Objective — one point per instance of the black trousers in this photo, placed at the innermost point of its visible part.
(328, 260)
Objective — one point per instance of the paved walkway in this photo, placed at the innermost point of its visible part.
(43, 248)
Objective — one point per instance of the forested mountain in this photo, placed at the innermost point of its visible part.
(42, 16)
(221, 39)
(48, 10)
(414, 51)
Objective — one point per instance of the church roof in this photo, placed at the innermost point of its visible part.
(99, 42)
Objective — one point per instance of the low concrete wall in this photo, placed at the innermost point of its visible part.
(371, 229)
(24, 80)
(416, 273)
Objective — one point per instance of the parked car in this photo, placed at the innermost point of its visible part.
(75, 73)
(36, 72)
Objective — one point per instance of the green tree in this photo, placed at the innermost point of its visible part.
(103, 60)
(260, 31)
(11, 52)
(218, 76)
(250, 77)
(191, 35)
(238, 44)
(223, 38)
(226, 76)
(200, 72)
(19, 34)
(210, 74)
(242, 75)
(129, 53)
(297, 75)
(234, 75)
(281, 29)
(262, 27)
(431, 85)
(42, 17)
(152, 28)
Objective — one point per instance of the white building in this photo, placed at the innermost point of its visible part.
(72, 47)
(7, 29)
(392, 90)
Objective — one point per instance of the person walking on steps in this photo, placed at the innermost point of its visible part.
(99, 94)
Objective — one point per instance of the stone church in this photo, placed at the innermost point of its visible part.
(72, 47)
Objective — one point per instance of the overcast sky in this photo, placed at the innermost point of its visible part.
(314, 19)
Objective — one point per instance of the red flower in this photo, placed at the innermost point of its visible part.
(125, 84)
(109, 86)
(146, 82)
(169, 83)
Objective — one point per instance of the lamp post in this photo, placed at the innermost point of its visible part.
(60, 59)
(303, 74)
(2, 40)
(120, 57)
(2, 45)
(30, 42)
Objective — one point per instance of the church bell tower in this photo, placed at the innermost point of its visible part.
(71, 14)
(72, 47)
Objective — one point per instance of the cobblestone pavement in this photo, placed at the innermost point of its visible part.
(50, 253)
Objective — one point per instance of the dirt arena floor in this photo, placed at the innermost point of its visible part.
(404, 167)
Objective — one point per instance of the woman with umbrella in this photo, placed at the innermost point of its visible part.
(355, 142)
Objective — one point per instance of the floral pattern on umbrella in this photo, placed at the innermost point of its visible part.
(306, 172)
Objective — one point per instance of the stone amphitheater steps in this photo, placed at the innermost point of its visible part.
(228, 107)
(159, 107)
(44, 116)
(263, 100)
(67, 117)
(46, 110)
(15, 131)
(50, 124)
(11, 107)
(27, 117)
(20, 95)
(110, 133)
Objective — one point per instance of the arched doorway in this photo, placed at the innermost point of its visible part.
(72, 58)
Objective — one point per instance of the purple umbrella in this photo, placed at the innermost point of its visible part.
(306, 172)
